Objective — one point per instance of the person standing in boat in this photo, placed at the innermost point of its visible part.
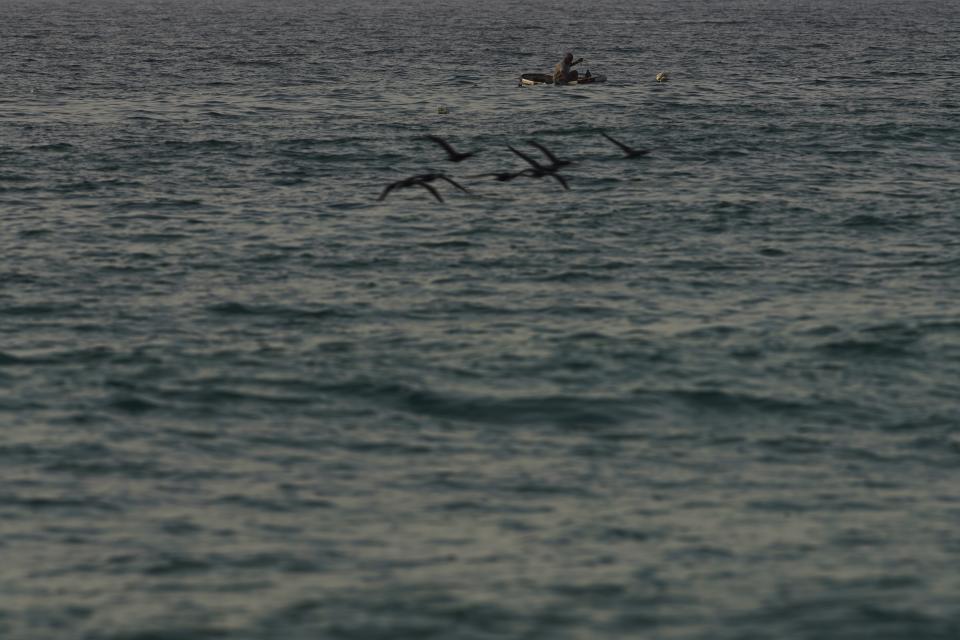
(562, 73)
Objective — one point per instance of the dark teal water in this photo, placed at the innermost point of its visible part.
(709, 394)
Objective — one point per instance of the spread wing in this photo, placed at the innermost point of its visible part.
(546, 152)
(454, 183)
(533, 163)
(431, 190)
(390, 187)
(627, 150)
(443, 143)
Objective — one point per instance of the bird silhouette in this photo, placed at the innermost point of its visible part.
(533, 163)
(452, 154)
(628, 151)
(507, 176)
(409, 182)
(538, 170)
(421, 180)
(555, 162)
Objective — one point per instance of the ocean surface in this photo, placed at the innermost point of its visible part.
(712, 393)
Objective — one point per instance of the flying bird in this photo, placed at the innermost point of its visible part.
(538, 170)
(555, 162)
(421, 180)
(452, 154)
(533, 163)
(628, 151)
(409, 182)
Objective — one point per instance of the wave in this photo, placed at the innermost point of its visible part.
(54, 146)
(40, 309)
(200, 145)
(7, 359)
(449, 244)
(858, 348)
(850, 608)
(62, 503)
(257, 63)
(276, 311)
(865, 220)
(729, 401)
(132, 404)
(562, 410)
(159, 203)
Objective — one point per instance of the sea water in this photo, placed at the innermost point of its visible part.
(711, 393)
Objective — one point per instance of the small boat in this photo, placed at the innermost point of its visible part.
(532, 79)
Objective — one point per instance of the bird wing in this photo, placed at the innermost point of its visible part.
(443, 143)
(390, 187)
(560, 180)
(453, 182)
(624, 147)
(431, 190)
(533, 163)
(552, 158)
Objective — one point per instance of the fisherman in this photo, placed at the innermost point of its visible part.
(562, 73)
